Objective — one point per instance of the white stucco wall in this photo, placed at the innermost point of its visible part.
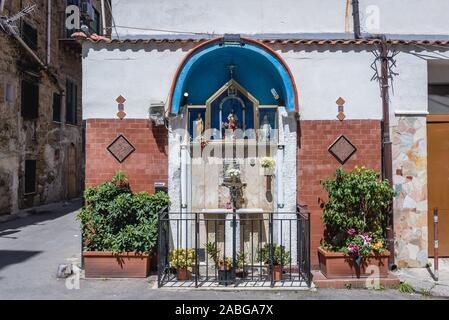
(321, 75)
(278, 16)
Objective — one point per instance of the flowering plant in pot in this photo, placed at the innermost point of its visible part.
(183, 260)
(268, 164)
(233, 175)
(275, 254)
(354, 217)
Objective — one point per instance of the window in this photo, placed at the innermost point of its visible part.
(30, 176)
(56, 107)
(29, 35)
(30, 100)
(96, 24)
(438, 98)
(71, 102)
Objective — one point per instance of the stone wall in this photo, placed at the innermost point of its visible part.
(409, 139)
(40, 139)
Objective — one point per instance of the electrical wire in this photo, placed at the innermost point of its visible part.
(165, 30)
(112, 18)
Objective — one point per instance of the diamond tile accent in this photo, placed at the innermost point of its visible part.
(342, 149)
(120, 99)
(340, 101)
(121, 148)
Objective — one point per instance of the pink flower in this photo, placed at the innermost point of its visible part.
(366, 238)
(352, 232)
(353, 248)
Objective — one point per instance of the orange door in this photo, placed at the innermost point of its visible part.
(438, 180)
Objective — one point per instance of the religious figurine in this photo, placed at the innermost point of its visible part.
(265, 130)
(232, 121)
(199, 126)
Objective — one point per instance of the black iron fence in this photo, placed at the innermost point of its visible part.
(234, 249)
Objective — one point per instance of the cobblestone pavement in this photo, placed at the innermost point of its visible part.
(33, 245)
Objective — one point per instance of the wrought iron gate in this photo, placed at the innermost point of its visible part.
(246, 249)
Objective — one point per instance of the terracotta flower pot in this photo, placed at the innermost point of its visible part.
(104, 264)
(277, 272)
(340, 265)
(183, 274)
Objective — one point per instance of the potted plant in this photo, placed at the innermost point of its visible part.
(268, 164)
(183, 260)
(224, 265)
(275, 254)
(119, 229)
(354, 218)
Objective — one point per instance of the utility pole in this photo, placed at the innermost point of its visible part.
(387, 159)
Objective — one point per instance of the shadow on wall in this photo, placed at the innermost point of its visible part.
(160, 135)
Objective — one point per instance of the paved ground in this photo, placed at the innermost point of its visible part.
(32, 247)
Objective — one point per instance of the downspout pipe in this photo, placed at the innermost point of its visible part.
(49, 32)
(103, 18)
(386, 145)
(356, 19)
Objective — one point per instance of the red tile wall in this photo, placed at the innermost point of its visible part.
(146, 165)
(315, 163)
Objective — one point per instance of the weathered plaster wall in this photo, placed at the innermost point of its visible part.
(40, 139)
(278, 17)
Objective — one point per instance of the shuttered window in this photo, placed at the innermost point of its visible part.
(56, 107)
(29, 35)
(71, 102)
(30, 176)
(29, 100)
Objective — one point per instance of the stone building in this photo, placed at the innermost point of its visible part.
(41, 153)
(297, 66)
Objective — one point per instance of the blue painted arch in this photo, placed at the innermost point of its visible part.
(258, 70)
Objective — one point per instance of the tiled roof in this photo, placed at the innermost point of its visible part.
(292, 41)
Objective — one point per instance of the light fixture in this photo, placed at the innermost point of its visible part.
(275, 94)
(185, 96)
(157, 110)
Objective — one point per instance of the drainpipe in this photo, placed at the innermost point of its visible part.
(356, 19)
(48, 32)
(103, 17)
(387, 160)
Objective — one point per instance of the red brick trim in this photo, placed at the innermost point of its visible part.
(145, 166)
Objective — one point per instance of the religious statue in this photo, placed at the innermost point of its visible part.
(232, 122)
(265, 130)
(199, 126)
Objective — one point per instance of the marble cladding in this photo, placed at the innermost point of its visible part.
(410, 182)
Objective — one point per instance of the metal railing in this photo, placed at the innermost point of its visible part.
(234, 249)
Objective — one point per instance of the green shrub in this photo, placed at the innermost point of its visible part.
(355, 212)
(116, 219)
(280, 255)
